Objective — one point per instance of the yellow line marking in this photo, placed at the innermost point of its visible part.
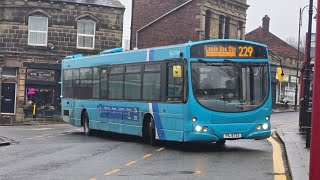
(92, 179)
(278, 167)
(112, 172)
(198, 172)
(130, 163)
(160, 149)
(146, 156)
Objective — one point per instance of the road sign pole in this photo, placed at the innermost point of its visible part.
(315, 126)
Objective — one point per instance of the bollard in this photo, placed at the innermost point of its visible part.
(34, 113)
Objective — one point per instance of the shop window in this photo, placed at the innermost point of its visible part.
(9, 72)
(37, 31)
(86, 34)
(286, 90)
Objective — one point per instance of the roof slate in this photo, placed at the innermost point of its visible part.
(108, 3)
(274, 43)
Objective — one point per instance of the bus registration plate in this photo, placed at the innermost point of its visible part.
(232, 135)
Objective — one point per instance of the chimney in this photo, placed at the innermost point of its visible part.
(266, 23)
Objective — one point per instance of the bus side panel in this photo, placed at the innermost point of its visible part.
(169, 121)
(68, 112)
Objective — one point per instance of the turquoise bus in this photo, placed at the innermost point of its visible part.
(206, 91)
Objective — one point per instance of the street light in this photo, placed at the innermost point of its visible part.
(298, 57)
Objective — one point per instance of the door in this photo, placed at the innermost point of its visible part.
(8, 100)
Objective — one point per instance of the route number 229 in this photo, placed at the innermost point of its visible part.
(245, 51)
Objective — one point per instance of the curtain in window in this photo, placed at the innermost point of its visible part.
(38, 30)
(86, 33)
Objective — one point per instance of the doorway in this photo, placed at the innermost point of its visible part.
(8, 100)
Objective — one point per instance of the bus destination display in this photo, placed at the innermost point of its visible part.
(228, 50)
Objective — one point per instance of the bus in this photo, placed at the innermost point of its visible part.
(206, 91)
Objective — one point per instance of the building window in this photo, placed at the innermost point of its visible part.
(86, 30)
(221, 27)
(240, 30)
(207, 24)
(37, 31)
(9, 72)
(227, 28)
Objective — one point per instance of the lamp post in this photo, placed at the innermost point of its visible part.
(298, 56)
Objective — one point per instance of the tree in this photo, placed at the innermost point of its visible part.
(294, 43)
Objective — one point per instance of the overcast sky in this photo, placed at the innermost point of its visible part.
(284, 17)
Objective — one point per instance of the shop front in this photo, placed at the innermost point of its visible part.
(42, 89)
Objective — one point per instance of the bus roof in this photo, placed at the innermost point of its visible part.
(117, 56)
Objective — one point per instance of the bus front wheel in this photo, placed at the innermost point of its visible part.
(221, 142)
(86, 129)
(148, 131)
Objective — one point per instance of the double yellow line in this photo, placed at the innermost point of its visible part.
(278, 166)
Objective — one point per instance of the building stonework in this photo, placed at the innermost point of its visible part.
(159, 23)
(32, 61)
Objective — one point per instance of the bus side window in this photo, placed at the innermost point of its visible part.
(104, 83)
(174, 84)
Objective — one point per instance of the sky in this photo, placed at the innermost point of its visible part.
(284, 17)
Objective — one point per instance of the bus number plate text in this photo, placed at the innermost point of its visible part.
(232, 135)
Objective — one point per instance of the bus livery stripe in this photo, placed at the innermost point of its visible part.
(157, 120)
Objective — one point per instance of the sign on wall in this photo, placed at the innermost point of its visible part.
(40, 74)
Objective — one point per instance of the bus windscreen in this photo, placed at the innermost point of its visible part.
(229, 50)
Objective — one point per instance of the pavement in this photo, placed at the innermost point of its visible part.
(298, 155)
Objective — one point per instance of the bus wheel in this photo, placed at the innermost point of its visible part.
(86, 129)
(221, 142)
(148, 131)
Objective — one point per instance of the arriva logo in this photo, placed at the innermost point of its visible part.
(173, 53)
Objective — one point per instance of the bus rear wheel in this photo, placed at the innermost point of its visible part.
(86, 128)
(148, 131)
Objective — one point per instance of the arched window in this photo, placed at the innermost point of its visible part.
(227, 28)
(221, 27)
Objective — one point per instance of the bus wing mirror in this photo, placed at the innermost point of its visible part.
(280, 74)
(177, 73)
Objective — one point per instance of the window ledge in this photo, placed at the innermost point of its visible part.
(35, 47)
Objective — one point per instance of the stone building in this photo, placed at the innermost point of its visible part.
(158, 23)
(289, 58)
(36, 35)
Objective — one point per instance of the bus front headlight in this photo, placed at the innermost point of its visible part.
(198, 128)
(265, 126)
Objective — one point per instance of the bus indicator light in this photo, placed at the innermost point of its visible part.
(194, 119)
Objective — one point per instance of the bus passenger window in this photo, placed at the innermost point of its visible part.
(174, 86)
(151, 82)
(104, 83)
(116, 83)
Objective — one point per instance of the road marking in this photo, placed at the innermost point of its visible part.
(278, 167)
(198, 172)
(92, 179)
(130, 163)
(160, 149)
(112, 172)
(146, 156)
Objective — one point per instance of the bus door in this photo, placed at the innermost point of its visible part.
(172, 111)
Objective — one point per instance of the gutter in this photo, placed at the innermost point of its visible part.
(164, 15)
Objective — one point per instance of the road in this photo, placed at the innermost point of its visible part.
(64, 152)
